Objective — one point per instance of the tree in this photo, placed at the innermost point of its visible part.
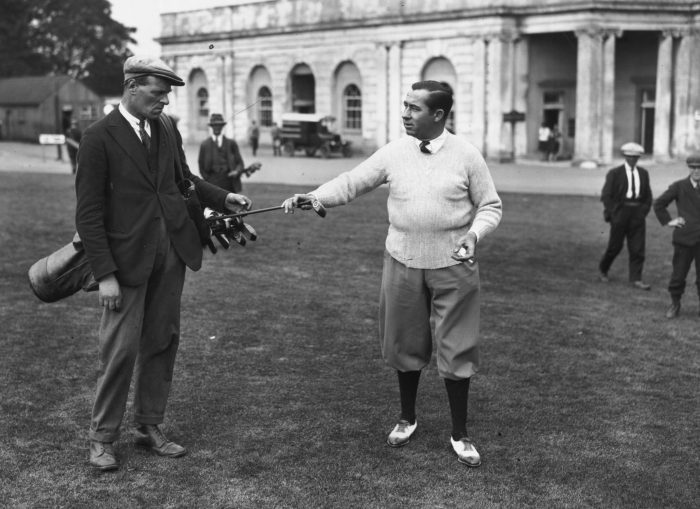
(74, 37)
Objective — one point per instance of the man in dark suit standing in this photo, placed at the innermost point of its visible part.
(627, 200)
(686, 233)
(220, 160)
(139, 238)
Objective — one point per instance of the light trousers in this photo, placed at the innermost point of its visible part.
(417, 306)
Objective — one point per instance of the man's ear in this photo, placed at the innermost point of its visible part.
(439, 115)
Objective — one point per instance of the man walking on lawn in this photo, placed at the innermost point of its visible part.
(442, 201)
(686, 233)
(626, 198)
(138, 238)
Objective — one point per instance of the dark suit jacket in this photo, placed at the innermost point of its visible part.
(120, 200)
(207, 154)
(688, 203)
(615, 189)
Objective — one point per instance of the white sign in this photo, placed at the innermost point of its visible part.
(52, 139)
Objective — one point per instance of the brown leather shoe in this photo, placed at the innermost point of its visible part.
(102, 456)
(150, 435)
(641, 285)
(673, 310)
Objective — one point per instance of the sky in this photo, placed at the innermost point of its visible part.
(145, 16)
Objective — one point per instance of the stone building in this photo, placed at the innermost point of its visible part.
(604, 71)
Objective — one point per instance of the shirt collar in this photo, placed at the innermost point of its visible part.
(628, 167)
(436, 143)
(133, 121)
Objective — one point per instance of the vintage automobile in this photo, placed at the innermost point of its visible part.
(311, 133)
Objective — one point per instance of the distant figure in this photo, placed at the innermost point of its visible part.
(686, 231)
(276, 136)
(220, 161)
(253, 136)
(543, 135)
(553, 143)
(73, 135)
(626, 198)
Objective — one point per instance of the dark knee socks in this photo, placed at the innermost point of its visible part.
(408, 389)
(458, 395)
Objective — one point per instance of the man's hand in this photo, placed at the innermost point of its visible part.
(679, 222)
(467, 250)
(110, 294)
(238, 202)
(295, 201)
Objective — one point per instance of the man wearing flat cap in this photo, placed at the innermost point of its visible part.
(139, 238)
(220, 160)
(627, 198)
(686, 231)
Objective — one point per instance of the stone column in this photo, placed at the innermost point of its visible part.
(499, 94)
(479, 95)
(382, 96)
(588, 92)
(607, 111)
(520, 86)
(682, 107)
(663, 100)
(395, 98)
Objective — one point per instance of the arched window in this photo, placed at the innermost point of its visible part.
(352, 106)
(203, 102)
(265, 106)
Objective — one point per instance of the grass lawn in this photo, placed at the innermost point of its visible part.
(587, 396)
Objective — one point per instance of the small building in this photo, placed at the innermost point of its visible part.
(603, 72)
(33, 105)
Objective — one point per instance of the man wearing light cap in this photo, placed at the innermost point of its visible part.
(686, 230)
(627, 198)
(139, 238)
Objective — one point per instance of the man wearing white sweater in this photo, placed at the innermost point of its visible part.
(442, 201)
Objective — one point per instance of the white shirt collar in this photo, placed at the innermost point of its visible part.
(133, 121)
(628, 167)
(436, 143)
(218, 141)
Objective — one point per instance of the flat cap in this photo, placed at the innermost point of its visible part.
(693, 160)
(217, 119)
(142, 65)
(632, 149)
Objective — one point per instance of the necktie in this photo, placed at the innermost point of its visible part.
(145, 138)
(424, 147)
(634, 191)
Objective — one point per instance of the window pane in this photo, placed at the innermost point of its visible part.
(352, 106)
(265, 106)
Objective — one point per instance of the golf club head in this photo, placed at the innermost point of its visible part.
(248, 231)
(222, 240)
(236, 236)
(313, 204)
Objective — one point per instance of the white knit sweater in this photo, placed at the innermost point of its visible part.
(434, 199)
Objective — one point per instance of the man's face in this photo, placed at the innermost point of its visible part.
(418, 120)
(694, 173)
(216, 129)
(632, 160)
(148, 101)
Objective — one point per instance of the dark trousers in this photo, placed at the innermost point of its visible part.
(141, 339)
(683, 257)
(628, 223)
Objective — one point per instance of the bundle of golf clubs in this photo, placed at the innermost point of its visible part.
(227, 228)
